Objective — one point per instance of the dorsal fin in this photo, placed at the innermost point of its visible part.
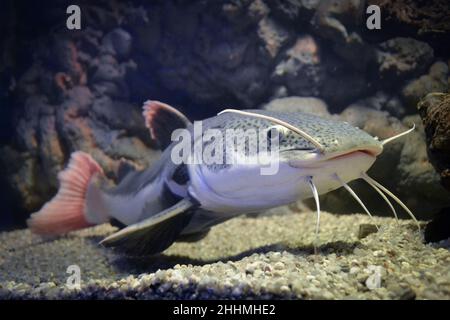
(162, 119)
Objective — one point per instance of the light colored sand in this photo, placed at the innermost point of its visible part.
(265, 257)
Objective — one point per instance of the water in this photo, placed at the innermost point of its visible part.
(65, 90)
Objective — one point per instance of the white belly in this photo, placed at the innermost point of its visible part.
(242, 188)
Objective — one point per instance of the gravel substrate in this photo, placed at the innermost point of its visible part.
(270, 256)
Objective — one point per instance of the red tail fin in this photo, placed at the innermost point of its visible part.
(66, 211)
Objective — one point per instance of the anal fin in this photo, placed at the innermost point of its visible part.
(154, 234)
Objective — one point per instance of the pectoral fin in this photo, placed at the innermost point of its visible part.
(194, 237)
(153, 234)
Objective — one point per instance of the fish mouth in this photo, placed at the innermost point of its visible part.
(373, 152)
(315, 160)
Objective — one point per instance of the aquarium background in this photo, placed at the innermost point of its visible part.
(66, 90)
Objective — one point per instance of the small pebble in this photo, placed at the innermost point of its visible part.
(366, 229)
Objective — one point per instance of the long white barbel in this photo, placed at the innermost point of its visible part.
(280, 122)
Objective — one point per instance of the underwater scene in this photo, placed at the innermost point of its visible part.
(229, 149)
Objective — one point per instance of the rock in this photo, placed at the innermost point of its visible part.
(435, 81)
(366, 229)
(399, 58)
(302, 10)
(337, 21)
(273, 35)
(118, 42)
(417, 175)
(301, 71)
(439, 228)
(50, 150)
(343, 85)
(434, 110)
(376, 122)
(63, 115)
(395, 107)
(64, 55)
(231, 66)
(146, 28)
(299, 104)
(383, 102)
(118, 115)
(257, 10)
(406, 294)
(403, 14)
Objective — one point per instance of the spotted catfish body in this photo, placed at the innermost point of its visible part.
(241, 188)
(176, 201)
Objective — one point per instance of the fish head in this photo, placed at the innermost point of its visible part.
(328, 148)
(327, 139)
(344, 150)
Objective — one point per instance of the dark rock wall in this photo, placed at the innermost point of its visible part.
(434, 109)
(82, 90)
